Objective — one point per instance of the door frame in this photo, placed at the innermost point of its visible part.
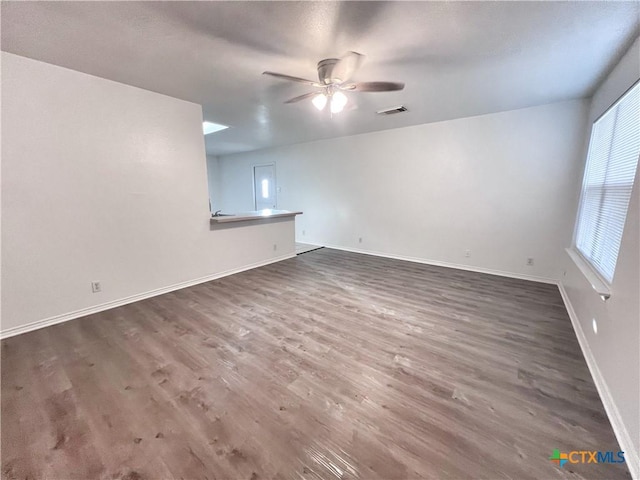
(253, 181)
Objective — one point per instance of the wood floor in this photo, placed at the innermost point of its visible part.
(330, 365)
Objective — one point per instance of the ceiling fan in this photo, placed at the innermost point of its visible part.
(334, 75)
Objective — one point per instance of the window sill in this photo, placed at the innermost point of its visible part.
(596, 283)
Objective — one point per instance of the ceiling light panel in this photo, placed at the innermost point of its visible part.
(210, 127)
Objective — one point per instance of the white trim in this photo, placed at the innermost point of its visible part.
(10, 332)
(457, 266)
(590, 274)
(622, 434)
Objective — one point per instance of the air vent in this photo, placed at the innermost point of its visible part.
(392, 110)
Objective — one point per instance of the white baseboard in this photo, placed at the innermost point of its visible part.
(457, 266)
(622, 435)
(65, 317)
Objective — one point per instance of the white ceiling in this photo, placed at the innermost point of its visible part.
(457, 59)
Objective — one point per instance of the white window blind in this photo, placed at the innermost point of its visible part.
(608, 181)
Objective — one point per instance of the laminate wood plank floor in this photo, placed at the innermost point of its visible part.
(330, 365)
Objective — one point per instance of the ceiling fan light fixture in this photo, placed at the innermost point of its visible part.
(333, 77)
(319, 101)
(338, 101)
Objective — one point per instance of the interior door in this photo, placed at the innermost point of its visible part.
(264, 186)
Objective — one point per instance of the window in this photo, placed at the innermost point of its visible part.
(608, 181)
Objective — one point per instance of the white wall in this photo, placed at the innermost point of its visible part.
(104, 181)
(214, 182)
(500, 185)
(614, 352)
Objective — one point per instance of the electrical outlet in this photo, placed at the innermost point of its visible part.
(96, 287)
(467, 253)
(304, 232)
(530, 261)
(360, 240)
(275, 247)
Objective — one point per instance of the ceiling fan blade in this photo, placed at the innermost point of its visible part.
(374, 86)
(302, 97)
(292, 79)
(346, 67)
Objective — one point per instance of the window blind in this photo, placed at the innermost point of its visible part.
(606, 190)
